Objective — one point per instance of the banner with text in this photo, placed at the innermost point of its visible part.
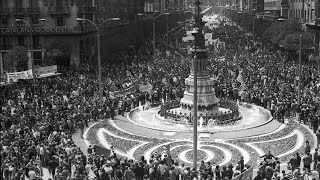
(247, 175)
(15, 76)
(46, 70)
(188, 38)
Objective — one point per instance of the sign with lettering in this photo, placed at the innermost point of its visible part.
(55, 29)
(15, 76)
(46, 70)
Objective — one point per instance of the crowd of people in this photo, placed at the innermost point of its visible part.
(37, 123)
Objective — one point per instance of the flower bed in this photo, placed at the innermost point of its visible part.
(201, 155)
(92, 134)
(254, 156)
(175, 154)
(173, 144)
(138, 153)
(308, 136)
(235, 152)
(121, 145)
(116, 131)
(218, 154)
(278, 147)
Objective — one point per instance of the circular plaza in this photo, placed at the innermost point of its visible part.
(132, 137)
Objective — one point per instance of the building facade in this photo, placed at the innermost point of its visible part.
(273, 7)
(56, 20)
(304, 9)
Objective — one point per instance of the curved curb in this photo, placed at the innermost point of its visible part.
(227, 154)
(106, 144)
(188, 131)
(147, 154)
(298, 144)
(281, 127)
(182, 155)
(245, 153)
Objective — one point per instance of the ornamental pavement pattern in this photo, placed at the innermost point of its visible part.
(133, 141)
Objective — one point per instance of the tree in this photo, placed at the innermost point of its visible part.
(8, 65)
(57, 52)
(17, 59)
(279, 30)
(292, 41)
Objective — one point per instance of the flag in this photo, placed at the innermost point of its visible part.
(242, 84)
(240, 78)
(91, 175)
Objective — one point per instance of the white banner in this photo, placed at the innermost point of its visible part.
(188, 38)
(208, 36)
(46, 70)
(15, 76)
(189, 33)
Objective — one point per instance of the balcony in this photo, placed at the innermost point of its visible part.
(18, 11)
(88, 9)
(4, 11)
(59, 10)
(33, 10)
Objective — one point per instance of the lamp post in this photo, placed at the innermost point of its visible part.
(31, 54)
(154, 30)
(99, 53)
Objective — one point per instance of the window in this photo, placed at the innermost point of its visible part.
(60, 21)
(59, 3)
(34, 20)
(37, 57)
(20, 41)
(4, 22)
(18, 4)
(33, 3)
(36, 42)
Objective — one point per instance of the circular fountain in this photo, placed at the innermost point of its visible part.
(213, 114)
(250, 116)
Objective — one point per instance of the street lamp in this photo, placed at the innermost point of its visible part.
(31, 54)
(99, 53)
(154, 31)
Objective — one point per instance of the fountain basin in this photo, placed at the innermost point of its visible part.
(251, 116)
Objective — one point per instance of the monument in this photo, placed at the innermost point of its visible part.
(207, 102)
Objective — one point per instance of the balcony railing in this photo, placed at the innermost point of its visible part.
(33, 10)
(18, 11)
(59, 10)
(88, 9)
(4, 11)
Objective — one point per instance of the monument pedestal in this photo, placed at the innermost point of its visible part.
(207, 100)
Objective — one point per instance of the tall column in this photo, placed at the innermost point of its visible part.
(1, 64)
